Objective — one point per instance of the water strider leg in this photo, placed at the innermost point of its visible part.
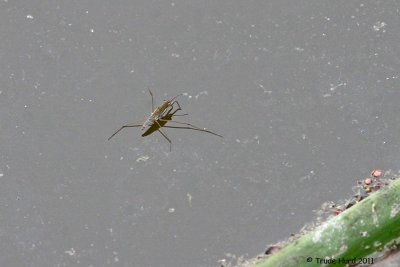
(164, 134)
(124, 126)
(152, 100)
(191, 125)
(169, 114)
(172, 103)
(195, 129)
(166, 137)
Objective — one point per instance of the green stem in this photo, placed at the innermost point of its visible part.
(355, 233)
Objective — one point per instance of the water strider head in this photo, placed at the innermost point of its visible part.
(174, 98)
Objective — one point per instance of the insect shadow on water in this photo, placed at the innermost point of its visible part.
(160, 116)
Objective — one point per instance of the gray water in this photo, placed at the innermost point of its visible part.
(305, 94)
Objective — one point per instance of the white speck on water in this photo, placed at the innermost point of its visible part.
(333, 87)
(70, 252)
(1, 174)
(92, 30)
(196, 96)
(116, 259)
(257, 139)
(121, 158)
(379, 25)
(201, 93)
(29, 16)
(142, 158)
(171, 210)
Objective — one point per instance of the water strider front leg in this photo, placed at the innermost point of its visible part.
(176, 101)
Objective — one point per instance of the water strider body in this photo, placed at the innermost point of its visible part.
(160, 116)
(159, 111)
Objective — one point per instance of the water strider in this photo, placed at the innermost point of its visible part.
(159, 118)
(158, 112)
